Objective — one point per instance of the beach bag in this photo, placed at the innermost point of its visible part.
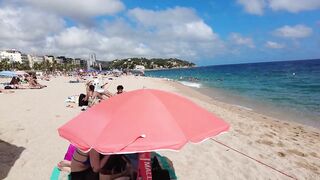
(166, 164)
(81, 101)
(8, 87)
(70, 152)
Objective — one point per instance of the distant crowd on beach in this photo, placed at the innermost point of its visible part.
(24, 81)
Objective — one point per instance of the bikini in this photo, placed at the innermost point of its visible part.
(86, 174)
(86, 162)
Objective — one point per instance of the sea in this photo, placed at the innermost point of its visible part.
(288, 90)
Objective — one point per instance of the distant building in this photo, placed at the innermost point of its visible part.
(49, 58)
(59, 59)
(35, 59)
(12, 55)
(139, 67)
(24, 58)
(92, 61)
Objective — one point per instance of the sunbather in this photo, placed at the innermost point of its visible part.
(81, 168)
(93, 96)
(33, 83)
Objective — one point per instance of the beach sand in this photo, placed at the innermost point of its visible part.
(256, 146)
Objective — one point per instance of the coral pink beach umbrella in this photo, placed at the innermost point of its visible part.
(141, 121)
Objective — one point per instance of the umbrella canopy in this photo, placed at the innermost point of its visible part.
(140, 121)
(20, 72)
(8, 73)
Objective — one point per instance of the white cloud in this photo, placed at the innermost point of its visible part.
(274, 45)
(294, 6)
(74, 9)
(298, 31)
(238, 39)
(183, 36)
(257, 7)
(177, 32)
(253, 6)
(76, 37)
(178, 23)
(23, 28)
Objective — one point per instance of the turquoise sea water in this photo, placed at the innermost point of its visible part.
(291, 86)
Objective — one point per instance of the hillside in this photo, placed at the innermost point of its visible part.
(155, 63)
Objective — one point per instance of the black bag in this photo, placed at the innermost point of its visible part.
(81, 101)
(8, 87)
(157, 172)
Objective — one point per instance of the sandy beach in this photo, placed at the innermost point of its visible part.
(256, 147)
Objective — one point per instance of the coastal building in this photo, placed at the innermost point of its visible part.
(11, 55)
(35, 59)
(49, 58)
(139, 67)
(92, 61)
(59, 59)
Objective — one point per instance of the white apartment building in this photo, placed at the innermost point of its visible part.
(12, 55)
(49, 58)
(34, 59)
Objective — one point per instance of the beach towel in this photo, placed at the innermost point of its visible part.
(71, 99)
(163, 163)
(70, 152)
(59, 175)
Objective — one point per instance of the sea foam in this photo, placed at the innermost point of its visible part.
(191, 84)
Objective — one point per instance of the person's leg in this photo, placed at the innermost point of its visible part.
(64, 165)
(105, 177)
(97, 95)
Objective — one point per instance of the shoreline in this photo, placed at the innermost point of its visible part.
(274, 140)
(258, 106)
(30, 118)
(187, 90)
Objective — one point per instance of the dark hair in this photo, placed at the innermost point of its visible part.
(91, 87)
(120, 87)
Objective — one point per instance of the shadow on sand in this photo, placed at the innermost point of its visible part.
(9, 153)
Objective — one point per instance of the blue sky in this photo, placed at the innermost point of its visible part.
(205, 32)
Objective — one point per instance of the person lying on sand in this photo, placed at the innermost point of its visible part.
(33, 83)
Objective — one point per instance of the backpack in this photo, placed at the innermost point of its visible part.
(158, 173)
(81, 101)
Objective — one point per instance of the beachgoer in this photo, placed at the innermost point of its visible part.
(33, 83)
(92, 93)
(89, 165)
(119, 89)
(81, 167)
(92, 97)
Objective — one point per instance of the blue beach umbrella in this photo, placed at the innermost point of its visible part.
(8, 73)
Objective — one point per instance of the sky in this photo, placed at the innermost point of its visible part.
(202, 31)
